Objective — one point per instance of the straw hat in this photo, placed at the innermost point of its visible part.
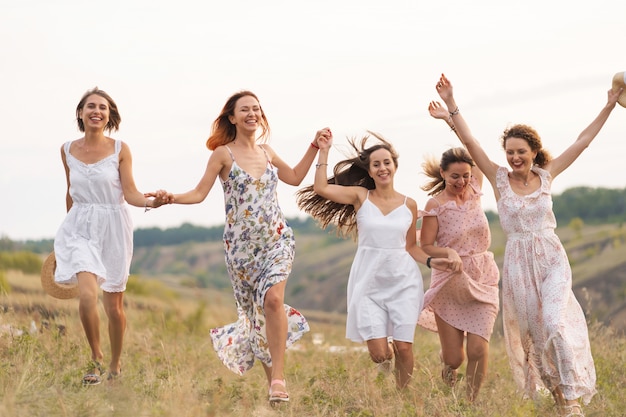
(619, 81)
(61, 291)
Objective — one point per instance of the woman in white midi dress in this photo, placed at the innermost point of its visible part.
(544, 326)
(94, 244)
(385, 288)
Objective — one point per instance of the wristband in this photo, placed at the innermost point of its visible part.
(314, 145)
(428, 261)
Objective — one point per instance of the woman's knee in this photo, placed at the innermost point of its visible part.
(274, 298)
(403, 348)
(477, 350)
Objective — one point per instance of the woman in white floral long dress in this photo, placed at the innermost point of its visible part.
(258, 243)
(545, 328)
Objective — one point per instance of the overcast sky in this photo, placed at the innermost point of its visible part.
(352, 65)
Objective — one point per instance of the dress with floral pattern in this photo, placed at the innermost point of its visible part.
(259, 247)
(544, 326)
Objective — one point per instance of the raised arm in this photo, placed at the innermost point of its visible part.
(341, 194)
(561, 162)
(295, 175)
(441, 112)
(488, 168)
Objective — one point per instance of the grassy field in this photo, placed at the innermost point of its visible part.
(169, 367)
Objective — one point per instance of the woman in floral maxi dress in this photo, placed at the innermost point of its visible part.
(258, 243)
(545, 329)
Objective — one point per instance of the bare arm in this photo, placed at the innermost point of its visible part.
(295, 175)
(341, 194)
(131, 194)
(560, 163)
(440, 260)
(488, 168)
(441, 112)
(428, 236)
(219, 162)
(68, 200)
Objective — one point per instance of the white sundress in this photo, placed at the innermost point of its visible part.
(97, 233)
(385, 287)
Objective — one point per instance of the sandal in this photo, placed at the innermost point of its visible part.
(572, 410)
(94, 375)
(449, 375)
(114, 375)
(278, 395)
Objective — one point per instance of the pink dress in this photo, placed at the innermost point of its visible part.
(544, 327)
(468, 300)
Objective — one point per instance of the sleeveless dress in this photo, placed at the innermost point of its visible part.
(544, 326)
(468, 300)
(259, 247)
(385, 288)
(97, 233)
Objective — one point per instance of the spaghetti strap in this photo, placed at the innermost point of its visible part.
(230, 152)
(267, 157)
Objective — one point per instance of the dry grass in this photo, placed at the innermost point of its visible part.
(170, 368)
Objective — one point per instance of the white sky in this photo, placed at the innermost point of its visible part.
(352, 65)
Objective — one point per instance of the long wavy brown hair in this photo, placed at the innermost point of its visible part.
(353, 171)
(223, 131)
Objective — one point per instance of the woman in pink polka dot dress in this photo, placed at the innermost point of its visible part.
(544, 326)
(459, 304)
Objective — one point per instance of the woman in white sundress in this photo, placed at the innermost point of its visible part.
(258, 243)
(385, 288)
(94, 245)
(544, 326)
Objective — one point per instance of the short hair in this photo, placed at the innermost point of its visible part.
(114, 115)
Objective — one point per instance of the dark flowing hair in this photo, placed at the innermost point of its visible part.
(114, 115)
(353, 171)
(223, 131)
(531, 136)
(432, 168)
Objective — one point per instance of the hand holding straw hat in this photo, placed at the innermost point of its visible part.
(53, 288)
(619, 81)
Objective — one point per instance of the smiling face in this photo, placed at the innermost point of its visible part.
(247, 115)
(519, 154)
(382, 166)
(457, 177)
(95, 112)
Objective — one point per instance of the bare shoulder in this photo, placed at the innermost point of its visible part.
(431, 204)
(411, 203)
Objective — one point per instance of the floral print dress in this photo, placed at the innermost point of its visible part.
(544, 326)
(259, 247)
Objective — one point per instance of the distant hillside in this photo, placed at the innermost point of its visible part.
(322, 264)
(591, 226)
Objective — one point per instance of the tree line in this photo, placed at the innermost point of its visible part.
(583, 204)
